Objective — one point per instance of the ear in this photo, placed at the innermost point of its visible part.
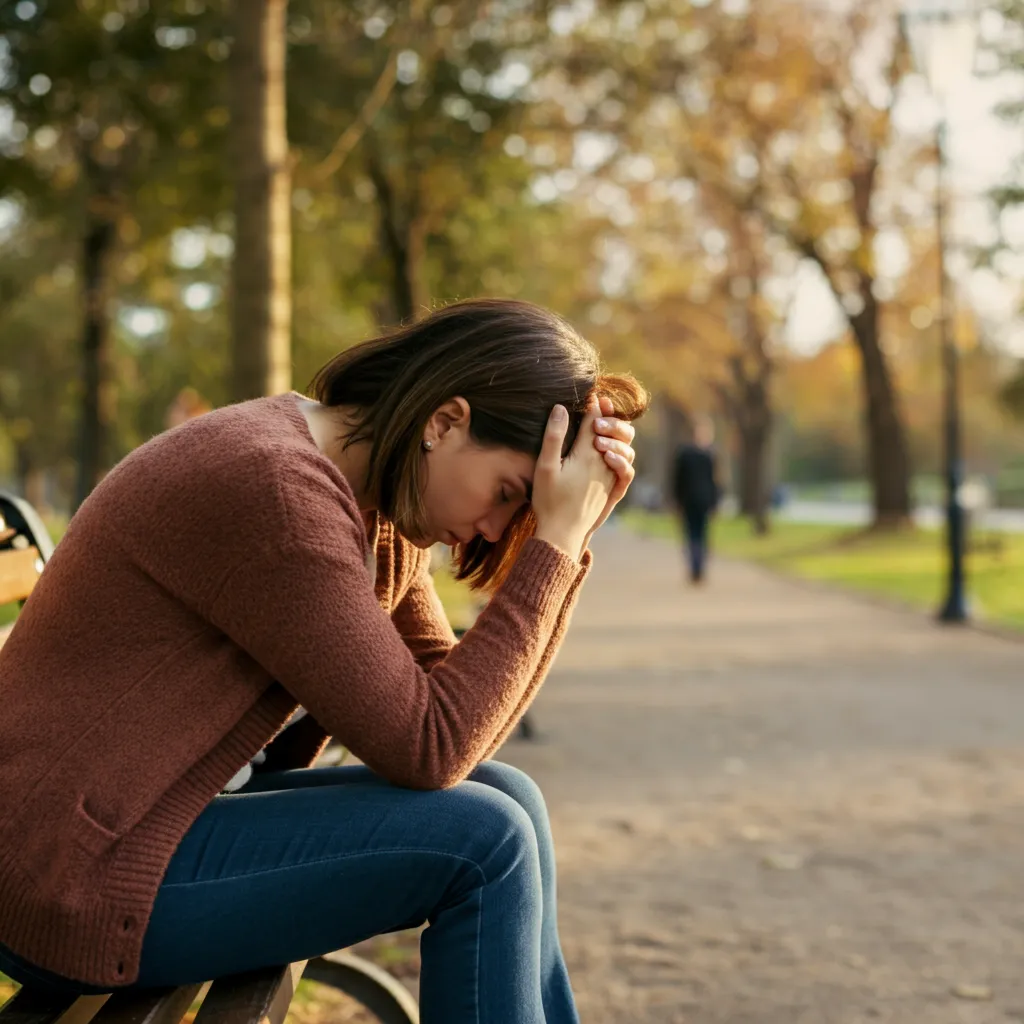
(449, 420)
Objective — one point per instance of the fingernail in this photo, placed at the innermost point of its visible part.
(558, 414)
(601, 424)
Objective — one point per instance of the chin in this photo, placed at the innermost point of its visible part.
(423, 541)
(417, 540)
(428, 538)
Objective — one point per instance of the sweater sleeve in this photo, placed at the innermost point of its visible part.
(305, 610)
(557, 636)
(421, 620)
(424, 627)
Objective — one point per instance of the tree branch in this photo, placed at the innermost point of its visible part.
(353, 134)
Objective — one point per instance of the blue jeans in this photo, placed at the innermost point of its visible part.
(305, 862)
(695, 526)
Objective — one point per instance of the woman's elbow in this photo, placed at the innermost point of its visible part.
(430, 777)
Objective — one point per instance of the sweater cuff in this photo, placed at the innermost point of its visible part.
(583, 569)
(543, 576)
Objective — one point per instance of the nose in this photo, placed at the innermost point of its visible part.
(488, 530)
(492, 526)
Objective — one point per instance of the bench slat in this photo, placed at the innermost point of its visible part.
(29, 1006)
(19, 572)
(251, 998)
(153, 1006)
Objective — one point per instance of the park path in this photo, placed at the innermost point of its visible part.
(777, 804)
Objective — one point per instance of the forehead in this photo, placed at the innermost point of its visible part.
(516, 465)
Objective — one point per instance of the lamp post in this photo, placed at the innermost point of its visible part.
(942, 36)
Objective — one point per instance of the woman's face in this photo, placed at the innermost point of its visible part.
(469, 489)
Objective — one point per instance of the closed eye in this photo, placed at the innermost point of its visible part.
(516, 495)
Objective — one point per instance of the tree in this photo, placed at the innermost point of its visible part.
(1009, 50)
(1010, 195)
(106, 103)
(421, 100)
(261, 271)
(783, 116)
(1012, 395)
(746, 397)
(37, 365)
(821, 123)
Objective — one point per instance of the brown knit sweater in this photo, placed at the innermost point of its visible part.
(214, 581)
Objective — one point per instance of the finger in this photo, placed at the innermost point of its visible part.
(621, 466)
(624, 473)
(587, 423)
(554, 436)
(607, 408)
(606, 444)
(622, 430)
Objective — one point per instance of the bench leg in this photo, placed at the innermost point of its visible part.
(525, 730)
(367, 984)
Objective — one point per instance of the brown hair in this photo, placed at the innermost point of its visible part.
(511, 361)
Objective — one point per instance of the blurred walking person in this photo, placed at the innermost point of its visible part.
(696, 494)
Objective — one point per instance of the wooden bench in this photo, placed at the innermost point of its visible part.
(25, 548)
(262, 996)
(259, 997)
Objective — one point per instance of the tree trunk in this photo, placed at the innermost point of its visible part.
(750, 401)
(674, 428)
(754, 438)
(888, 460)
(753, 415)
(261, 269)
(31, 477)
(96, 411)
(405, 250)
(403, 239)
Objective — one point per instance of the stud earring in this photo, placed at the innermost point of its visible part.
(428, 446)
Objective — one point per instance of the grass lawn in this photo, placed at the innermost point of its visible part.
(457, 598)
(909, 565)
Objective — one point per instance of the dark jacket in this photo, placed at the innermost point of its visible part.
(693, 478)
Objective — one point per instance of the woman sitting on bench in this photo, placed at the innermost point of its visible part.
(249, 583)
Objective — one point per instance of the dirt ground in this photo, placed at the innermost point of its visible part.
(778, 804)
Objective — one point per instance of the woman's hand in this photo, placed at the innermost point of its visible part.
(613, 438)
(570, 495)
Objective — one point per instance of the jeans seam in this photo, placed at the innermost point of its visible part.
(326, 860)
(476, 974)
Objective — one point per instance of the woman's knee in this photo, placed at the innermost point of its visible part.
(510, 780)
(499, 831)
(520, 787)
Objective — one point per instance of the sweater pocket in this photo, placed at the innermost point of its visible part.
(94, 837)
(64, 863)
(90, 843)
